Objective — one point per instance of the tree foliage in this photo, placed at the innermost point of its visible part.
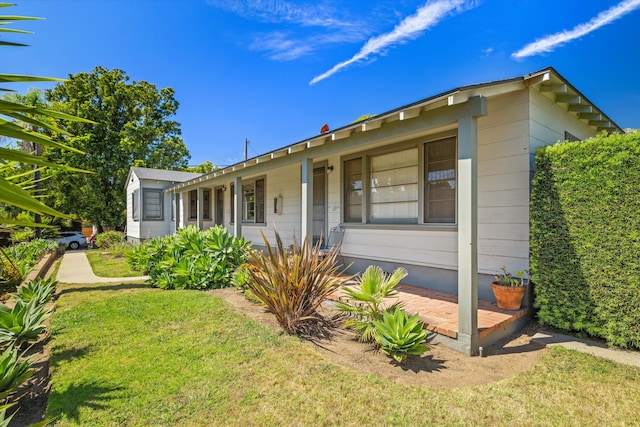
(132, 129)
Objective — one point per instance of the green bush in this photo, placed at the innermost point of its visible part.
(190, 259)
(40, 290)
(368, 300)
(108, 239)
(293, 282)
(399, 335)
(13, 371)
(18, 260)
(24, 322)
(585, 237)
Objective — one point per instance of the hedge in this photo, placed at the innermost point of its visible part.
(585, 237)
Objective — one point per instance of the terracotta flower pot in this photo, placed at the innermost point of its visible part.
(508, 297)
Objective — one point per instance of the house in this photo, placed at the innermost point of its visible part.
(439, 186)
(149, 209)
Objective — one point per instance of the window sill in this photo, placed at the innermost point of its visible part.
(416, 227)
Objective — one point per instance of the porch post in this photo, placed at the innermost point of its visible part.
(200, 210)
(468, 227)
(176, 210)
(306, 211)
(237, 206)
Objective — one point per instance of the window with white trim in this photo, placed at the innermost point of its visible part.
(413, 184)
(206, 204)
(152, 204)
(252, 201)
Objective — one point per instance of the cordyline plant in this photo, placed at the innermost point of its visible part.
(293, 282)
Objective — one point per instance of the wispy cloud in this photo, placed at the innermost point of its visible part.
(311, 26)
(549, 43)
(410, 28)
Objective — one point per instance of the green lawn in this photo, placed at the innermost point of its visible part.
(107, 266)
(132, 355)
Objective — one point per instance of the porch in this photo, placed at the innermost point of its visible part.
(439, 312)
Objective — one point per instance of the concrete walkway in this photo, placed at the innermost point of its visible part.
(595, 348)
(75, 268)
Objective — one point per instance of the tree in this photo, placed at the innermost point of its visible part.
(204, 167)
(132, 129)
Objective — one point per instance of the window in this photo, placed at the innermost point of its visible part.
(353, 190)
(152, 204)
(206, 204)
(394, 186)
(440, 181)
(387, 186)
(135, 205)
(252, 201)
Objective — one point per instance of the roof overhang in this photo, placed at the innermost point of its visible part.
(548, 82)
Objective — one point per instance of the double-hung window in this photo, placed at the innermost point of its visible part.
(206, 204)
(252, 201)
(152, 204)
(413, 184)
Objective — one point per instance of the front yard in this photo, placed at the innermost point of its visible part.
(132, 355)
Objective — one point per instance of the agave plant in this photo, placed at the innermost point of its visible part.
(399, 335)
(40, 290)
(22, 323)
(13, 371)
(368, 300)
(293, 282)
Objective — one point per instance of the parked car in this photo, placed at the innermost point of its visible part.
(73, 239)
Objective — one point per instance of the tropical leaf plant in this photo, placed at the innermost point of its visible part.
(369, 299)
(293, 282)
(399, 335)
(24, 322)
(15, 121)
(40, 290)
(14, 370)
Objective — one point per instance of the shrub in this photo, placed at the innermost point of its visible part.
(18, 260)
(190, 259)
(366, 300)
(108, 239)
(40, 290)
(22, 323)
(585, 237)
(399, 335)
(293, 283)
(13, 371)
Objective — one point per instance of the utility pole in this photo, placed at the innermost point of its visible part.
(246, 146)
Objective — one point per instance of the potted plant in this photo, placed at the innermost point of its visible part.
(509, 289)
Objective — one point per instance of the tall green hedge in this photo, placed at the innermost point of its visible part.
(585, 237)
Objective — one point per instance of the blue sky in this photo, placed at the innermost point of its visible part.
(275, 71)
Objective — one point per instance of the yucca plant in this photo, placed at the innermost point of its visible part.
(293, 282)
(399, 335)
(22, 323)
(13, 370)
(40, 290)
(369, 299)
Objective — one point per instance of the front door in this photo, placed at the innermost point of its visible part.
(319, 204)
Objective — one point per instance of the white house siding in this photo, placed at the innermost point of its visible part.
(133, 227)
(503, 184)
(149, 229)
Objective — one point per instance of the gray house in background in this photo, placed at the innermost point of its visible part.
(150, 211)
(439, 186)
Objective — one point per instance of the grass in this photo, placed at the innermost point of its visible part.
(108, 266)
(132, 355)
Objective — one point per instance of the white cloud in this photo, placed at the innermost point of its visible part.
(549, 43)
(410, 28)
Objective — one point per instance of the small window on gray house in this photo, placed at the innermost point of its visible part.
(135, 205)
(152, 204)
(568, 136)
